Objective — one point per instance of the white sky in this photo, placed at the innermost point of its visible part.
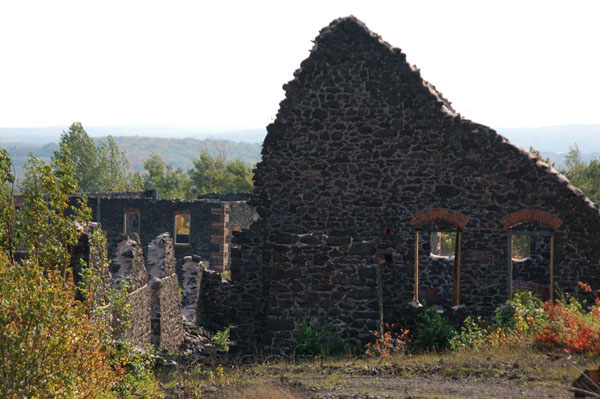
(222, 63)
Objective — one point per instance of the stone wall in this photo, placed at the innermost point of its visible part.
(362, 155)
(157, 217)
(192, 280)
(165, 299)
(213, 310)
(88, 253)
(212, 221)
(129, 273)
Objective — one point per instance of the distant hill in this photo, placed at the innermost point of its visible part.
(177, 152)
(556, 139)
(180, 152)
(49, 134)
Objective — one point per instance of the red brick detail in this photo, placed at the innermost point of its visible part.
(217, 211)
(217, 226)
(217, 239)
(439, 214)
(131, 210)
(531, 216)
(182, 212)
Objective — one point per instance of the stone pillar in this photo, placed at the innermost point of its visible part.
(219, 257)
(165, 299)
(213, 310)
(129, 274)
(192, 279)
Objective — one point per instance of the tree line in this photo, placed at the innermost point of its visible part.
(585, 176)
(104, 167)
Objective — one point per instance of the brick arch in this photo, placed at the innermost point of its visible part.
(439, 214)
(531, 216)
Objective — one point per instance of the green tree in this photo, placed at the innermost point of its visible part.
(8, 211)
(98, 167)
(159, 175)
(114, 166)
(238, 176)
(49, 219)
(539, 156)
(582, 175)
(215, 175)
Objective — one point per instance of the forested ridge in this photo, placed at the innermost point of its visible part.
(176, 152)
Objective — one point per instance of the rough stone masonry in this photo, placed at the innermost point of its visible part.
(364, 162)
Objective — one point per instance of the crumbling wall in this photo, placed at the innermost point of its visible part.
(88, 253)
(157, 216)
(361, 144)
(130, 276)
(213, 311)
(165, 299)
(192, 280)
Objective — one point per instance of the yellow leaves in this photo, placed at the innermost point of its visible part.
(49, 343)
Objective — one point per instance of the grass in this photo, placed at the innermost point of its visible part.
(378, 376)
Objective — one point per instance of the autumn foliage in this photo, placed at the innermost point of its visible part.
(49, 345)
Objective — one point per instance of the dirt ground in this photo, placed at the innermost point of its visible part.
(405, 388)
(498, 374)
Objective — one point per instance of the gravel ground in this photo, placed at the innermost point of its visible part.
(401, 387)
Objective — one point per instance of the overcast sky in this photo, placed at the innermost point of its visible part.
(222, 63)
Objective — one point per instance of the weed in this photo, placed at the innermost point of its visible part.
(433, 332)
(313, 339)
(221, 339)
(388, 343)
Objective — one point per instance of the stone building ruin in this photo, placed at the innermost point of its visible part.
(367, 165)
(200, 227)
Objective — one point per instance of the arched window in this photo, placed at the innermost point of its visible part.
(530, 244)
(438, 240)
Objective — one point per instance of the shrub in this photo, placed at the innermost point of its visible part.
(473, 335)
(138, 380)
(569, 327)
(49, 346)
(313, 339)
(433, 332)
(388, 343)
(221, 339)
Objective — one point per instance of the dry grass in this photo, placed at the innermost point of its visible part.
(538, 372)
(263, 391)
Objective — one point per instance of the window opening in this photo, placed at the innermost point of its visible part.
(440, 280)
(521, 246)
(131, 221)
(182, 228)
(531, 262)
(443, 243)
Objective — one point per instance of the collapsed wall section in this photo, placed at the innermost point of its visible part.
(130, 277)
(192, 273)
(198, 227)
(214, 301)
(165, 299)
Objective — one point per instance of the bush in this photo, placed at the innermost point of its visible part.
(52, 345)
(49, 346)
(569, 327)
(473, 335)
(433, 332)
(388, 343)
(314, 339)
(138, 380)
(221, 339)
